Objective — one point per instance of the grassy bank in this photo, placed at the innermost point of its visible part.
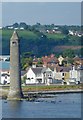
(51, 87)
(46, 88)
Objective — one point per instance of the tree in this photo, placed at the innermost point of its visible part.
(38, 24)
(68, 53)
(65, 30)
(24, 25)
(15, 25)
(27, 54)
(40, 62)
(24, 79)
(26, 62)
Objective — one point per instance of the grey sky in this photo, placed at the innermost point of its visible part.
(41, 0)
(66, 13)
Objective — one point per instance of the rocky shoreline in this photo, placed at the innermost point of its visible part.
(30, 96)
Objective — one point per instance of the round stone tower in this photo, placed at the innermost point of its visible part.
(15, 91)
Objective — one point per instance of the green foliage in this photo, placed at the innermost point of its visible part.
(24, 79)
(27, 54)
(23, 25)
(15, 25)
(81, 53)
(68, 53)
(26, 62)
(65, 30)
(40, 62)
(70, 61)
(55, 36)
(36, 42)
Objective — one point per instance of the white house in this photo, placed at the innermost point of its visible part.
(4, 57)
(80, 71)
(10, 27)
(39, 75)
(71, 32)
(5, 77)
(16, 28)
(21, 28)
(76, 74)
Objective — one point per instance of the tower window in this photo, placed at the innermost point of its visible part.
(13, 43)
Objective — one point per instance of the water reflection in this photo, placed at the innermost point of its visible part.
(0, 109)
(15, 105)
(14, 108)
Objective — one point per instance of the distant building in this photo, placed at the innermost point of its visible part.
(5, 77)
(75, 33)
(35, 61)
(71, 32)
(21, 28)
(78, 60)
(49, 60)
(53, 31)
(10, 27)
(60, 59)
(61, 73)
(76, 74)
(4, 57)
(16, 28)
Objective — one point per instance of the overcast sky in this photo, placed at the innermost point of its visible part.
(61, 13)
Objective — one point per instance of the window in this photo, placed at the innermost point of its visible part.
(5, 77)
(14, 43)
(63, 74)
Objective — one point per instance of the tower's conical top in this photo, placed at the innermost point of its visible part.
(14, 36)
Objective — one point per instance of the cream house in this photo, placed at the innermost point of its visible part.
(61, 73)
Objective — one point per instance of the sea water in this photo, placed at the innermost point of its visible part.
(59, 106)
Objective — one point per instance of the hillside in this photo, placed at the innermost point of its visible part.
(40, 43)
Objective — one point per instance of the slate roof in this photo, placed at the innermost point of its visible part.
(63, 69)
(37, 70)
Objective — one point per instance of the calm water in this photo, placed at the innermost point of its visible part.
(60, 106)
(4, 65)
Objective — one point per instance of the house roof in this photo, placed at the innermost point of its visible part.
(63, 69)
(37, 70)
(35, 60)
(5, 74)
(50, 59)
